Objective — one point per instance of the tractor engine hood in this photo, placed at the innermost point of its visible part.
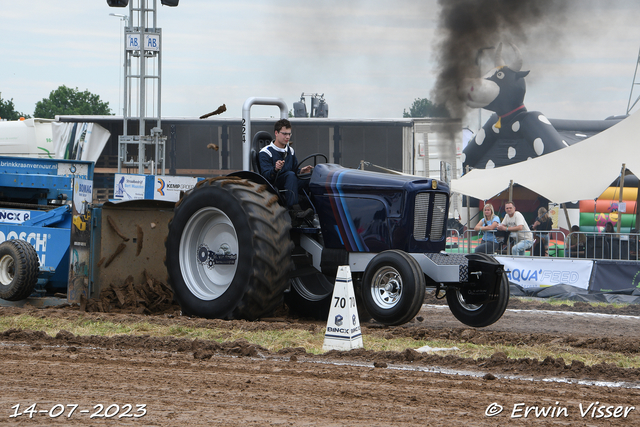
(362, 211)
(328, 175)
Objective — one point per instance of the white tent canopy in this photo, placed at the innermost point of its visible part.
(579, 172)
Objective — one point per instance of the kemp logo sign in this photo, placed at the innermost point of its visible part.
(169, 187)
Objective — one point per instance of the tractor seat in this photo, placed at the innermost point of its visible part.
(260, 140)
(255, 163)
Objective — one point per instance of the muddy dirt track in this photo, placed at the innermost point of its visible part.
(198, 383)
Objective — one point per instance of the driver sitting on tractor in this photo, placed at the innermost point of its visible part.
(279, 165)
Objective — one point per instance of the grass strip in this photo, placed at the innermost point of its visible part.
(311, 341)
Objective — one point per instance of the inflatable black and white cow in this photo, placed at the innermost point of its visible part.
(512, 134)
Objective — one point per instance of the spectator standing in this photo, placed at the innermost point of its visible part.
(608, 227)
(542, 223)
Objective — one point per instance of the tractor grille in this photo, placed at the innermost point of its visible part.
(439, 212)
(421, 216)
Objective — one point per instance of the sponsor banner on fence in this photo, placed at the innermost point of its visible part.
(129, 187)
(612, 276)
(170, 187)
(80, 247)
(540, 272)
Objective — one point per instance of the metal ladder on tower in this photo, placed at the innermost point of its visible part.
(143, 48)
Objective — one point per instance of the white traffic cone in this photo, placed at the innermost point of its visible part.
(343, 325)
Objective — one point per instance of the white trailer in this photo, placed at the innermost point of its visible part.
(27, 138)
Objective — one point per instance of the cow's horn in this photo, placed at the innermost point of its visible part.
(499, 62)
(517, 64)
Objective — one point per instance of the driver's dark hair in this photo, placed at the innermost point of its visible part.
(282, 123)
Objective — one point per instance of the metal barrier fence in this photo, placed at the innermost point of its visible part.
(554, 243)
(616, 246)
(544, 243)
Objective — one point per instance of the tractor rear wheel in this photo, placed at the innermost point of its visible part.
(228, 250)
(311, 295)
(19, 269)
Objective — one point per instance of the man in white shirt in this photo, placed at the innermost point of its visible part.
(514, 222)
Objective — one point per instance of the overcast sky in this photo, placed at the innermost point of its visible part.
(370, 58)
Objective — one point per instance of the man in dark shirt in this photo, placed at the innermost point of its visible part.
(279, 166)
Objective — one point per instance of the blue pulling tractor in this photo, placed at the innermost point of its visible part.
(231, 249)
(232, 252)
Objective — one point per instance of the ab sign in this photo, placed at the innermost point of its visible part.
(151, 42)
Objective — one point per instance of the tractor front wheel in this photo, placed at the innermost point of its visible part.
(393, 287)
(479, 315)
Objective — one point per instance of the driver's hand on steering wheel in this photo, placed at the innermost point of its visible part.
(306, 169)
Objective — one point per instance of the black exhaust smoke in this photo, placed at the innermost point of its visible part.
(468, 27)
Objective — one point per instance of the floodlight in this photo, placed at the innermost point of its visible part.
(119, 3)
(300, 109)
(323, 110)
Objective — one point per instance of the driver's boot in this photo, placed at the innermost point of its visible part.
(297, 212)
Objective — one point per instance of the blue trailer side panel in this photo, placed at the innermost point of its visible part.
(36, 201)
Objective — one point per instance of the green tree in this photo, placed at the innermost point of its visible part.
(422, 107)
(8, 110)
(72, 102)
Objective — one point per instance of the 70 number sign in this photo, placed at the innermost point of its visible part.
(342, 302)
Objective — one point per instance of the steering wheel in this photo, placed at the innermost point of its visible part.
(315, 162)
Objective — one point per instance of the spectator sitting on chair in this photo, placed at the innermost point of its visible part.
(488, 225)
(279, 164)
(514, 221)
(576, 242)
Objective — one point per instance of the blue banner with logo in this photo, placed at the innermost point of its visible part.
(541, 272)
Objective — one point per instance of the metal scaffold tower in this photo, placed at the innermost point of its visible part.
(142, 90)
(633, 85)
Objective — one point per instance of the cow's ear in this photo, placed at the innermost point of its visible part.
(522, 74)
